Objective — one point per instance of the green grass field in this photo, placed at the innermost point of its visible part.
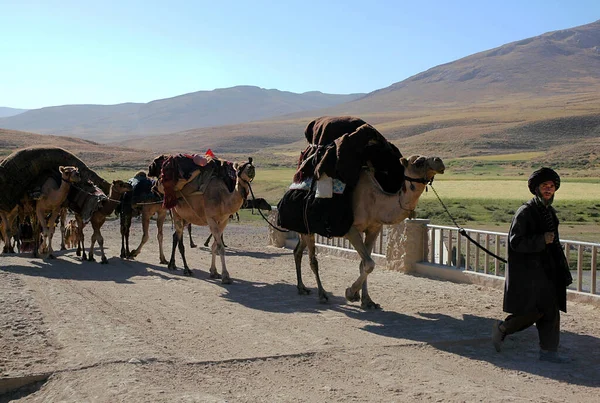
(485, 198)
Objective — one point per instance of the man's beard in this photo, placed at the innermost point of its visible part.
(543, 201)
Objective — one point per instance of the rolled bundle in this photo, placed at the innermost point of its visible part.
(21, 168)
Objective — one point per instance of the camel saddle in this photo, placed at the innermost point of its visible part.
(85, 199)
(177, 171)
(143, 193)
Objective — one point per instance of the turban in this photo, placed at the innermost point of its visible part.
(540, 176)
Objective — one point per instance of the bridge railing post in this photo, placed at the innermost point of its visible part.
(407, 244)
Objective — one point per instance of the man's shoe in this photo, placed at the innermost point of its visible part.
(552, 356)
(497, 336)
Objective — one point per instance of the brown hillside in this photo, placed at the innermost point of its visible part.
(540, 93)
(93, 154)
(106, 123)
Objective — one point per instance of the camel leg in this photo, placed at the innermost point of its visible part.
(41, 218)
(171, 265)
(366, 301)
(80, 241)
(125, 222)
(37, 237)
(216, 229)
(51, 230)
(366, 266)
(145, 229)
(93, 239)
(314, 266)
(178, 243)
(210, 237)
(298, 252)
(103, 260)
(6, 232)
(160, 222)
(207, 240)
(63, 218)
(97, 237)
(17, 244)
(192, 244)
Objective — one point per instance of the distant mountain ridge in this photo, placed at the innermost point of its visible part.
(529, 95)
(194, 110)
(536, 94)
(6, 112)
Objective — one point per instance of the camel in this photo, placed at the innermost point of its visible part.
(212, 208)
(53, 195)
(117, 189)
(373, 208)
(21, 169)
(23, 227)
(151, 205)
(71, 238)
(147, 211)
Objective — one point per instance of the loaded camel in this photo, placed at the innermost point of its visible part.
(350, 181)
(373, 208)
(98, 218)
(212, 208)
(21, 169)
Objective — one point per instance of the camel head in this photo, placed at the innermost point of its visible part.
(422, 168)
(70, 174)
(121, 187)
(419, 171)
(245, 171)
(156, 166)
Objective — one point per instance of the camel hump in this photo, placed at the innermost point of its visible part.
(326, 129)
(24, 166)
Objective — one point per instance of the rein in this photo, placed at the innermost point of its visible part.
(263, 216)
(92, 194)
(463, 232)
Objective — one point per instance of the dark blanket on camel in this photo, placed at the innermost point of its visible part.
(339, 147)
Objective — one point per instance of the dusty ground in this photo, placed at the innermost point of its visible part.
(132, 331)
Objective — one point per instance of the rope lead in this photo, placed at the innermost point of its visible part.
(463, 232)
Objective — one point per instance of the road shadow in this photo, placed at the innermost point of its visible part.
(470, 336)
(467, 336)
(73, 268)
(234, 251)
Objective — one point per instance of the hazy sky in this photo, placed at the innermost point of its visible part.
(108, 52)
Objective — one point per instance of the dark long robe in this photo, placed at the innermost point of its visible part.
(537, 272)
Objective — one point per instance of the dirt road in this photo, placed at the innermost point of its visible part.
(132, 331)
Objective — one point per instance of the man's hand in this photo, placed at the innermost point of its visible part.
(549, 237)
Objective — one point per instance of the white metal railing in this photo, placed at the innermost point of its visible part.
(447, 247)
(379, 249)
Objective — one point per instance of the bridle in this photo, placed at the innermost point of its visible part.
(423, 181)
(242, 168)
